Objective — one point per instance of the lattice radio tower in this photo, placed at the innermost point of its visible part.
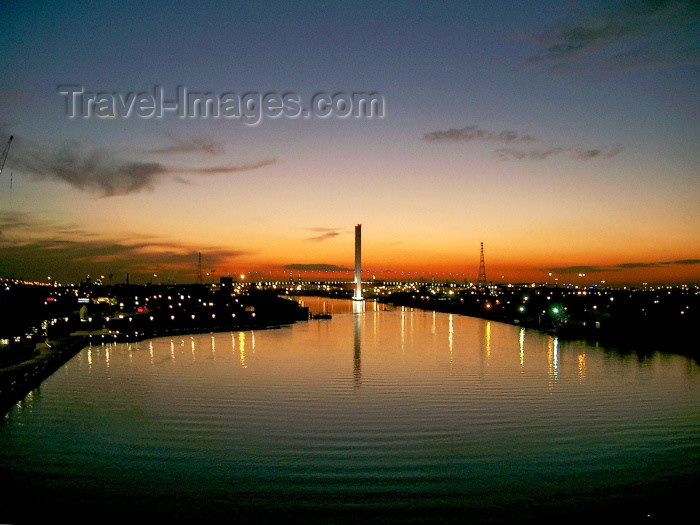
(199, 269)
(482, 268)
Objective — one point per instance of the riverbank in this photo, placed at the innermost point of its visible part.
(18, 380)
(56, 334)
(617, 332)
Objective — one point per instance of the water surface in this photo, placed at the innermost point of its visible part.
(382, 413)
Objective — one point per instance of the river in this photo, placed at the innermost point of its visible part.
(382, 413)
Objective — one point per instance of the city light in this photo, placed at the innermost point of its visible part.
(437, 234)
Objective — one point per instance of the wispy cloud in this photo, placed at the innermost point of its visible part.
(227, 168)
(582, 153)
(188, 145)
(323, 237)
(475, 133)
(532, 154)
(102, 172)
(623, 36)
(626, 266)
(182, 180)
(574, 152)
(324, 234)
(534, 151)
(567, 270)
(93, 171)
(31, 246)
(316, 267)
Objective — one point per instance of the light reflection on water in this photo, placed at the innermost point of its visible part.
(377, 408)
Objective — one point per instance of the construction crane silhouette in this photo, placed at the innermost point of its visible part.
(4, 154)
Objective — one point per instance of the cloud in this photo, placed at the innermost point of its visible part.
(188, 145)
(687, 261)
(31, 247)
(323, 237)
(574, 152)
(474, 133)
(532, 154)
(623, 36)
(228, 168)
(566, 270)
(578, 152)
(318, 267)
(641, 265)
(325, 234)
(92, 171)
(103, 173)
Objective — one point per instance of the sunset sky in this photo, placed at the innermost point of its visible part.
(564, 135)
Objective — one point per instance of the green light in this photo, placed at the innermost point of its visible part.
(556, 310)
(521, 309)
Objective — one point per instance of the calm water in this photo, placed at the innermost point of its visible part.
(391, 414)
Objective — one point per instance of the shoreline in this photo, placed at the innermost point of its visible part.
(63, 333)
(19, 379)
(644, 344)
(624, 339)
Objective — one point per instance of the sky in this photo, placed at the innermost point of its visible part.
(563, 135)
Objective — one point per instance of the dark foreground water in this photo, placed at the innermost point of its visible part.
(378, 415)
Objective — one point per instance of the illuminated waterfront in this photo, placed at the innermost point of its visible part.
(385, 412)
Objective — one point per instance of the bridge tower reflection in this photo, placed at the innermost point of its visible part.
(358, 308)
